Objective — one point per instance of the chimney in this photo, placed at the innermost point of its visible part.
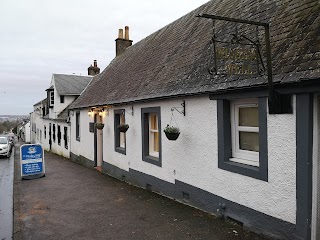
(122, 43)
(93, 70)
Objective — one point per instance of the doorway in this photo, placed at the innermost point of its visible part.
(98, 143)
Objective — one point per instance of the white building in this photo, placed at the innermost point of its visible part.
(246, 151)
(50, 120)
(25, 132)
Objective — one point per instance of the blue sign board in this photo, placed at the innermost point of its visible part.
(32, 161)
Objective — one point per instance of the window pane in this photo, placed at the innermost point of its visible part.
(249, 141)
(153, 122)
(122, 140)
(248, 117)
(122, 118)
(156, 142)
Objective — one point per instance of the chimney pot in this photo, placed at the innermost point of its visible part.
(93, 70)
(120, 35)
(126, 33)
(122, 43)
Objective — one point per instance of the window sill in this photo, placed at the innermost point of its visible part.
(78, 139)
(245, 161)
(120, 150)
(153, 160)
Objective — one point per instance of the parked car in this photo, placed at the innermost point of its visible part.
(5, 146)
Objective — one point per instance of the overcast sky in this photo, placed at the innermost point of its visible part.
(42, 37)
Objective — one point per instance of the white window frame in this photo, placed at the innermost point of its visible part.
(151, 137)
(52, 98)
(240, 155)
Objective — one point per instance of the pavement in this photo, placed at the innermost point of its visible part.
(75, 202)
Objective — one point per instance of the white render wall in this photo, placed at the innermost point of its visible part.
(55, 147)
(84, 147)
(59, 107)
(193, 158)
(27, 132)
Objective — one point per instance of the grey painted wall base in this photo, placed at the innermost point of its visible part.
(82, 160)
(182, 192)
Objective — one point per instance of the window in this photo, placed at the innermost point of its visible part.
(245, 132)
(45, 131)
(65, 137)
(59, 135)
(78, 126)
(52, 98)
(242, 137)
(119, 137)
(54, 132)
(151, 135)
(61, 99)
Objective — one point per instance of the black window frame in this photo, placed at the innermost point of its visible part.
(145, 112)
(225, 141)
(45, 131)
(54, 132)
(78, 126)
(59, 135)
(61, 98)
(65, 137)
(117, 148)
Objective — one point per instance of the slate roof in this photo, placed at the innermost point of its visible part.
(173, 61)
(63, 115)
(70, 84)
(43, 101)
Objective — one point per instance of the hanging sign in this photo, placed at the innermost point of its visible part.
(239, 47)
(32, 161)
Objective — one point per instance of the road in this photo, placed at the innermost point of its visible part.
(6, 196)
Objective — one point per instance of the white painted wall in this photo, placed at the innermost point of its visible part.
(84, 147)
(45, 137)
(59, 107)
(27, 132)
(56, 148)
(193, 158)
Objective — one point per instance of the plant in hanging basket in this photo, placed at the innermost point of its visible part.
(123, 127)
(171, 132)
(99, 125)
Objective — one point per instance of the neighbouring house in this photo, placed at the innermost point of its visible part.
(248, 116)
(25, 132)
(50, 120)
(39, 110)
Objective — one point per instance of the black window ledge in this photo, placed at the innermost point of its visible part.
(120, 150)
(154, 160)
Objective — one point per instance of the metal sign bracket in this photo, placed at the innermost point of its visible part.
(278, 103)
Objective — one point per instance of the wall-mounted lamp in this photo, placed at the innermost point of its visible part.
(102, 113)
(90, 112)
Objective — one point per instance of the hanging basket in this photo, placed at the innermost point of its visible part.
(172, 136)
(99, 125)
(123, 127)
